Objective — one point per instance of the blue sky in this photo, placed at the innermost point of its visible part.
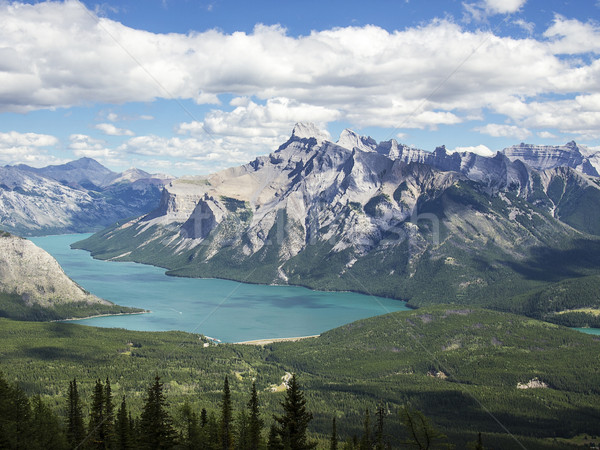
(191, 87)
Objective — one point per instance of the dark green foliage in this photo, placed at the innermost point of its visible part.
(402, 187)
(293, 423)
(365, 441)
(27, 425)
(45, 427)
(255, 423)
(240, 207)
(12, 306)
(192, 435)
(123, 428)
(372, 206)
(242, 438)
(75, 426)
(274, 441)
(97, 432)
(156, 428)
(226, 420)
(554, 302)
(420, 434)
(379, 433)
(109, 414)
(333, 440)
(394, 358)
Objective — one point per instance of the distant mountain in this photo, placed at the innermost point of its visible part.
(543, 157)
(380, 218)
(34, 286)
(79, 196)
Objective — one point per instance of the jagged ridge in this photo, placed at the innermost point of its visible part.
(360, 215)
(79, 196)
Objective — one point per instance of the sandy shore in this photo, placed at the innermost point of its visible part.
(101, 315)
(270, 341)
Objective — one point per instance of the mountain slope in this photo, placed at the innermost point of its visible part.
(376, 218)
(461, 366)
(80, 196)
(34, 286)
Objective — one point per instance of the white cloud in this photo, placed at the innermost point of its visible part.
(546, 135)
(570, 36)
(252, 129)
(83, 145)
(366, 75)
(501, 130)
(579, 116)
(477, 149)
(29, 148)
(484, 8)
(503, 6)
(527, 26)
(111, 130)
(200, 155)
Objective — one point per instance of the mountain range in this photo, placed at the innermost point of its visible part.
(79, 196)
(384, 219)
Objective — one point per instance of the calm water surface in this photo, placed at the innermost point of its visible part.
(226, 310)
(594, 331)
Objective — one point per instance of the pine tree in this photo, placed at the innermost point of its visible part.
(97, 423)
(192, 437)
(365, 442)
(293, 425)
(46, 430)
(109, 414)
(242, 441)
(123, 437)
(479, 445)
(255, 423)
(274, 441)
(421, 434)
(226, 421)
(75, 426)
(15, 417)
(156, 425)
(333, 441)
(210, 433)
(203, 418)
(379, 427)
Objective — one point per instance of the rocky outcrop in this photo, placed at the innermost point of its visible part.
(34, 275)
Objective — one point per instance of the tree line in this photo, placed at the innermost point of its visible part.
(28, 423)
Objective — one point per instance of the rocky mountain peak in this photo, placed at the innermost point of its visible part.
(86, 163)
(350, 140)
(542, 157)
(307, 130)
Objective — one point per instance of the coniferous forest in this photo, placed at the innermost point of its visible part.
(29, 423)
(402, 380)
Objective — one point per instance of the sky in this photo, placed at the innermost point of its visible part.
(189, 87)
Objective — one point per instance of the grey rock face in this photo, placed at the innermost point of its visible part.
(34, 275)
(76, 197)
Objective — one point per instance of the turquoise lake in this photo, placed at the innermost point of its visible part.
(225, 310)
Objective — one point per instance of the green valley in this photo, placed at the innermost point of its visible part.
(460, 366)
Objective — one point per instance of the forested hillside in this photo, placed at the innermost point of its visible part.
(468, 370)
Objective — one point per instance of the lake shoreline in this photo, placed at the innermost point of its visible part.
(101, 315)
(275, 340)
